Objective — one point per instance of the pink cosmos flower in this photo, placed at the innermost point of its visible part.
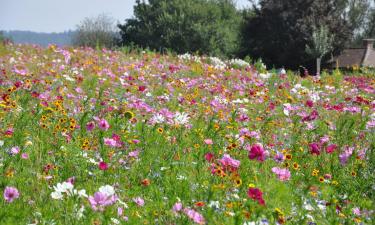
(344, 157)
(15, 150)
(195, 216)
(282, 174)
(139, 201)
(24, 155)
(177, 207)
(100, 200)
(208, 142)
(10, 194)
(228, 161)
(103, 124)
(111, 142)
(257, 152)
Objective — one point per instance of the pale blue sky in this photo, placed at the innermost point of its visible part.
(61, 15)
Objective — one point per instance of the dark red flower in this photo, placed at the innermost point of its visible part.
(256, 194)
(141, 88)
(309, 103)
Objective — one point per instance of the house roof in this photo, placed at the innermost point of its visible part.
(350, 57)
(357, 56)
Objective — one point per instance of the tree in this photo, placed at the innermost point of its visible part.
(280, 30)
(204, 26)
(322, 44)
(99, 31)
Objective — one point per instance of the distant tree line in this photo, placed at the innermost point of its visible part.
(42, 39)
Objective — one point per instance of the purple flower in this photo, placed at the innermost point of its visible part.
(279, 157)
(10, 194)
(314, 148)
(344, 157)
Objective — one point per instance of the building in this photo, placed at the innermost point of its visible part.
(356, 57)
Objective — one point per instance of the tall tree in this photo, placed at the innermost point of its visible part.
(98, 31)
(322, 44)
(204, 26)
(281, 29)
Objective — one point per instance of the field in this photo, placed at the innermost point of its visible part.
(113, 137)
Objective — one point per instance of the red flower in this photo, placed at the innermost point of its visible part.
(103, 166)
(257, 195)
(141, 88)
(331, 148)
(209, 156)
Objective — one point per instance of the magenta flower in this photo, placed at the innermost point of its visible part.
(103, 166)
(257, 152)
(282, 174)
(90, 126)
(331, 148)
(314, 148)
(10, 194)
(103, 124)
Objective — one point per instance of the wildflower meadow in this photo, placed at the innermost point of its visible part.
(97, 136)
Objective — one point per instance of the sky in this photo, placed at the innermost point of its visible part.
(63, 15)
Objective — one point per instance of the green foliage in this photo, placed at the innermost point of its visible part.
(280, 30)
(322, 42)
(205, 26)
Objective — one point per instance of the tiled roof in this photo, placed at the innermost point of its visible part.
(351, 57)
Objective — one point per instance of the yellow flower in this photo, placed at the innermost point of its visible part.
(251, 185)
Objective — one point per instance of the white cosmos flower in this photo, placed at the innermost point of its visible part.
(107, 189)
(158, 118)
(64, 187)
(56, 195)
(181, 118)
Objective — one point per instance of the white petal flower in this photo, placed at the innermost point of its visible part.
(107, 189)
(56, 195)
